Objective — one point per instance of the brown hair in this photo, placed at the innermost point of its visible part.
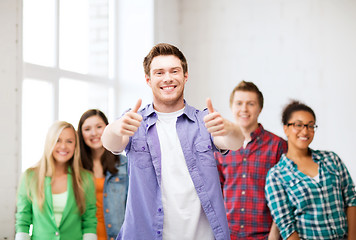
(164, 49)
(108, 160)
(295, 106)
(247, 87)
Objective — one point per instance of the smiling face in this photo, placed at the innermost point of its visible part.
(64, 148)
(92, 129)
(167, 81)
(246, 109)
(299, 140)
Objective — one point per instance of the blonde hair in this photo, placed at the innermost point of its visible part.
(46, 167)
(247, 87)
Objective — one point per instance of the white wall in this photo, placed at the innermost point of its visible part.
(303, 50)
(290, 49)
(10, 73)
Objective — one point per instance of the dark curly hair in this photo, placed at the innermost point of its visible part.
(292, 107)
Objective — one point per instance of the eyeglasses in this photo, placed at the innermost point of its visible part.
(300, 126)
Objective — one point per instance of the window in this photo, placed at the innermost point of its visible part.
(79, 55)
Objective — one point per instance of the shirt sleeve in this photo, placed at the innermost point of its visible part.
(220, 167)
(22, 236)
(89, 236)
(116, 153)
(281, 210)
(282, 148)
(348, 186)
(89, 220)
(24, 206)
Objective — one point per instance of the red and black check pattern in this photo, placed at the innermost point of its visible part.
(242, 176)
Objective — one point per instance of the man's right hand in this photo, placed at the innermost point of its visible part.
(116, 135)
(128, 124)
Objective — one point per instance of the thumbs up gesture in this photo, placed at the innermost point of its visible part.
(214, 122)
(116, 135)
(130, 121)
(227, 135)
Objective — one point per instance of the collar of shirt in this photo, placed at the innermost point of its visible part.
(289, 164)
(257, 133)
(149, 111)
(292, 167)
(123, 162)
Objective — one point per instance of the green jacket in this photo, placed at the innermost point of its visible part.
(72, 226)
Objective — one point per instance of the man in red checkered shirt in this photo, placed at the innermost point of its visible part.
(243, 172)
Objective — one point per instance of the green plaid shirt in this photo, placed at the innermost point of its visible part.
(315, 210)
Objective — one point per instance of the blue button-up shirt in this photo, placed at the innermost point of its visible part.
(144, 210)
(114, 199)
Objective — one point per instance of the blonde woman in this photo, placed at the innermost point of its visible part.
(57, 196)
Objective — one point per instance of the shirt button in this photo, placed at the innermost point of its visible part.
(242, 209)
(117, 179)
(158, 232)
(57, 233)
(244, 175)
(109, 225)
(209, 146)
(243, 192)
(107, 210)
(159, 210)
(244, 159)
(112, 238)
(242, 226)
(143, 148)
(105, 194)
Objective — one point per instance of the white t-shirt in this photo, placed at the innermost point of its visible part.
(245, 143)
(184, 218)
(317, 177)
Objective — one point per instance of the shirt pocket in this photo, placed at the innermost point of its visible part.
(332, 178)
(299, 195)
(333, 186)
(205, 153)
(141, 156)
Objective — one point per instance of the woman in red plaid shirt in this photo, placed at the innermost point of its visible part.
(243, 172)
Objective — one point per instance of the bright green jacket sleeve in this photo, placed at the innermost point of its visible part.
(89, 220)
(24, 205)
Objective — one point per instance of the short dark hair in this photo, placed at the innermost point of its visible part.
(292, 107)
(108, 160)
(164, 49)
(247, 87)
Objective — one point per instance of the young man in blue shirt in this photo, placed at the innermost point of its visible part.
(174, 190)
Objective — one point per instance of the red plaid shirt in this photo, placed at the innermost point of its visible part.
(242, 176)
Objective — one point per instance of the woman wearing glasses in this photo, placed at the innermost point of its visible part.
(310, 193)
